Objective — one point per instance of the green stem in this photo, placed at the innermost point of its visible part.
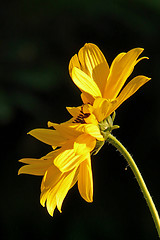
(111, 139)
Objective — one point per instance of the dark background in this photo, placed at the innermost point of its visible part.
(37, 40)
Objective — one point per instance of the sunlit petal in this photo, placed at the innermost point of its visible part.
(51, 202)
(85, 83)
(87, 98)
(74, 62)
(67, 159)
(51, 177)
(101, 107)
(84, 144)
(64, 188)
(74, 111)
(85, 180)
(94, 64)
(94, 131)
(34, 166)
(48, 136)
(131, 88)
(120, 70)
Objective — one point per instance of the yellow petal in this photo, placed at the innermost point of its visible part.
(64, 188)
(140, 59)
(74, 111)
(85, 180)
(67, 159)
(131, 88)
(75, 179)
(91, 119)
(127, 92)
(85, 83)
(43, 197)
(51, 177)
(120, 70)
(33, 170)
(87, 108)
(51, 124)
(48, 136)
(49, 186)
(84, 144)
(34, 161)
(50, 155)
(67, 129)
(74, 62)
(51, 202)
(87, 98)
(93, 130)
(101, 107)
(36, 167)
(94, 64)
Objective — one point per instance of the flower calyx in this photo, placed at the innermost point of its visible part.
(106, 126)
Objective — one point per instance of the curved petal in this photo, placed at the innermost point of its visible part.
(84, 144)
(85, 180)
(68, 130)
(91, 119)
(35, 161)
(94, 131)
(48, 136)
(120, 70)
(94, 64)
(75, 179)
(87, 98)
(64, 188)
(36, 167)
(74, 62)
(128, 91)
(43, 196)
(51, 202)
(32, 169)
(101, 106)
(131, 88)
(55, 195)
(74, 111)
(85, 83)
(67, 159)
(51, 177)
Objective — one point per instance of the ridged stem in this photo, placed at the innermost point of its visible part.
(111, 139)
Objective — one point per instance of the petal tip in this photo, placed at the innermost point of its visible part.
(19, 172)
(49, 124)
(140, 49)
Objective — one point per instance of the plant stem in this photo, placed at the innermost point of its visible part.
(111, 139)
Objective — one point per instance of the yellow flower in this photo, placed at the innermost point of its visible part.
(84, 134)
(69, 162)
(101, 85)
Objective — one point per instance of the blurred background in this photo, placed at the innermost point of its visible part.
(37, 40)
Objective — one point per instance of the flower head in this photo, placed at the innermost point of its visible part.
(69, 162)
(85, 133)
(101, 84)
